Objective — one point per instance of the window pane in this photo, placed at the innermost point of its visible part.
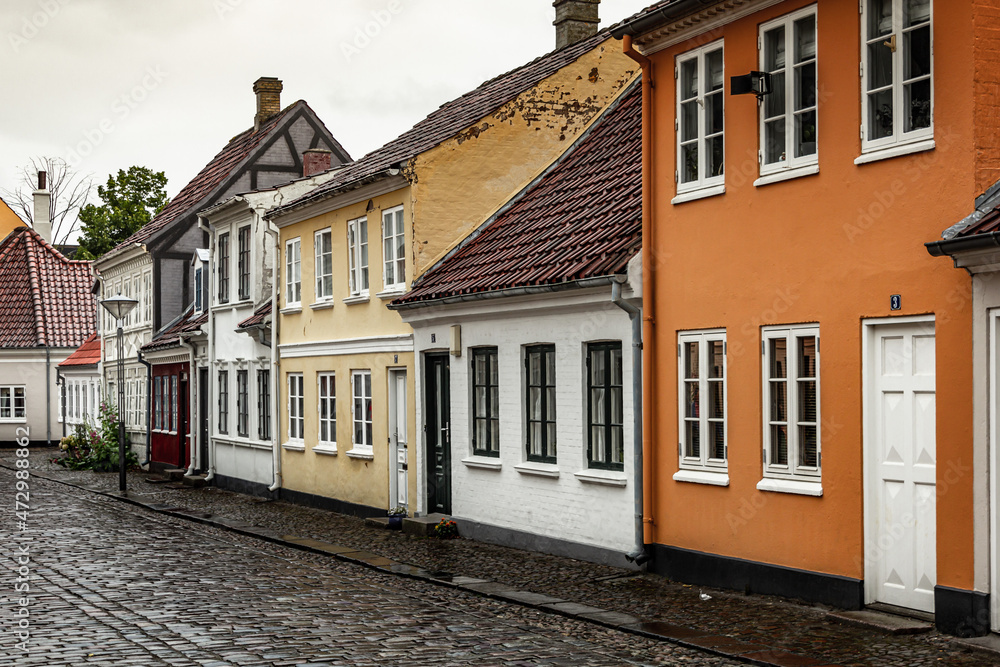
(714, 113)
(550, 403)
(689, 121)
(714, 156)
(689, 79)
(807, 400)
(774, 49)
(880, 115)
(774, 102)
(805, 134)
(716, 400)
(717, 440)
(550, 367)
(805, 39)
(805, 86)
(879, 17)
(597, 369)
(807, 357)
(917, 45)
(774, 141)
(779, 445)
(616, 405)
(691, 360)
(691, 403)
(879, 65)
(616, 366)
(689, 156)
(597, 405)
(598, 452)
(716, 359)
(779, 402)
(692, 438)
(808, 446)
(535, 403)
(916, 11)
(779, 362)
(713, 69)
(918, 105)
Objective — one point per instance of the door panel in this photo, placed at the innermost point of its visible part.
(397, 438)
(437, 431)
(901, 527)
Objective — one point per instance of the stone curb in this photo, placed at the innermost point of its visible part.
(690, 638)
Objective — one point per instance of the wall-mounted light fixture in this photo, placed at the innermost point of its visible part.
(758, 83)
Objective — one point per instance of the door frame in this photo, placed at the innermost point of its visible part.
(868, 328)
(391, 376)
(993, 441)
(429, 357)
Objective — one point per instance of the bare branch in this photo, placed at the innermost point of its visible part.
(69, 192)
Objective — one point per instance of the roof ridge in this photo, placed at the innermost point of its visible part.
(34, 280)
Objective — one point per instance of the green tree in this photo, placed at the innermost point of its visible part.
(131, 199)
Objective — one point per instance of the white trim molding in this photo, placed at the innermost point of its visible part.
(330, 348)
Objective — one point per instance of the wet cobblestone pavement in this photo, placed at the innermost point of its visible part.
(116, 585)
(775, 622)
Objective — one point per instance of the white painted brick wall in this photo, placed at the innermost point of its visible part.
(564, 508)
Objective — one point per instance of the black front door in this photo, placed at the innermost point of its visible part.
(203, 419)
(436, 428)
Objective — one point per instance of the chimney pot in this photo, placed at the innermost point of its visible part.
(575, 20)
(41, 180)
(268, 91)
(315, 161)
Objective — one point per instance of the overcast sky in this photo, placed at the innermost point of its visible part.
(165, 84)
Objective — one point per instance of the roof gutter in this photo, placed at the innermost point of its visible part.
(647, 22)
(600, 281)
(964, 244)
(307, 200)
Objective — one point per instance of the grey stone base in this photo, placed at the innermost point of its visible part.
(332, 504)
(238, 485)
(508, 537)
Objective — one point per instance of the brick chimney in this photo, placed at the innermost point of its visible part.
(575, 20)
(268, 92)
(41, 221)
(315, 161)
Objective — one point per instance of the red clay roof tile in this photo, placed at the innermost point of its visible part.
(88, 354)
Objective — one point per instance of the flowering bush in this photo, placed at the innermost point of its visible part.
(93, 447)
(446, 529)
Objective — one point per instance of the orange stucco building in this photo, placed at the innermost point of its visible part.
(809, 365)
(8, 220)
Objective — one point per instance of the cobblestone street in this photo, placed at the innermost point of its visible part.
(115, 585)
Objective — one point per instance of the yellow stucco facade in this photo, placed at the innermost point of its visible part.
(8, 220)
(444, 193)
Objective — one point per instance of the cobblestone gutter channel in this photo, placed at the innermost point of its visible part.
(753, 629)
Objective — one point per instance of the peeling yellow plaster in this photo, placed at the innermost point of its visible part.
(498, 156)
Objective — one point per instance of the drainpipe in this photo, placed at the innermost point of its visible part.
(209, 276)
(275, 363)
(648, 282)
(149, 407)
(638, 555)
(48, 396)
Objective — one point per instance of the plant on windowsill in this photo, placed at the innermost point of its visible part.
(396, 516)
(446, 530)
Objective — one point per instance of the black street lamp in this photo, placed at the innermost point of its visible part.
(120, 306)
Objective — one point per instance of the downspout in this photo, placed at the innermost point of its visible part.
(48, 396)
(209, 277)
(149, 407)
(638, 554)
(275, 364)
(648, 282)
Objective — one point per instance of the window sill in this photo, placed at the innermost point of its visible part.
(814, 488)
(363, 453)
(322, 305)
(896, 150)
(291, 310)
(484, 462)
(786, 175)
(294, 445)
(535, 468)
(605, 477)
(700, 193)
(14, 421)
(392, 292)
(359, 298)
(720, 478)
(328, 449)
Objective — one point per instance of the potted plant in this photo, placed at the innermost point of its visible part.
(396, 515)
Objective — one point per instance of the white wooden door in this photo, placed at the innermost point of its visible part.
(397, 437)
(900, 544)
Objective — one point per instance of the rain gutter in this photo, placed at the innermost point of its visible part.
(272, 230)
(964, 244)
(508, 292)
(655, 19)
(149, 406)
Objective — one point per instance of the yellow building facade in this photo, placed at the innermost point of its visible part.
(357, 242)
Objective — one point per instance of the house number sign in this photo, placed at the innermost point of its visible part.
(895, 302)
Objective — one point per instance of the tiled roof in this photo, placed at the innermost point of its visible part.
(192, 196)
(171, 337)
(450, 119)
(582, 219)
(259, 316)
(45, 299)
(88, 354)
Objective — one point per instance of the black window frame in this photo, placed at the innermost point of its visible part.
(491, 416)
(264, 404)
(607, 349)
(549, 452)
(243, 261)
(223, 265)
(223, 402)
(242, 403)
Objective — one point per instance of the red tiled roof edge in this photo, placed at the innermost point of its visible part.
(259, 316)
(85, 354)
(171, 336)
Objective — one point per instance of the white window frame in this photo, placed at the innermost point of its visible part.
(223, 268)
(791, 86)
(147, 279)
(703, 182)
(326, 392)
(323, 272)
(358, 255)
(898, 137)
(393, 250)
(199, 278)
(703, 461)
(293, 272)
(359, 393)
(793, 470)
(296, 403)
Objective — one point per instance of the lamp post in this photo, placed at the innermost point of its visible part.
(120, 306)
